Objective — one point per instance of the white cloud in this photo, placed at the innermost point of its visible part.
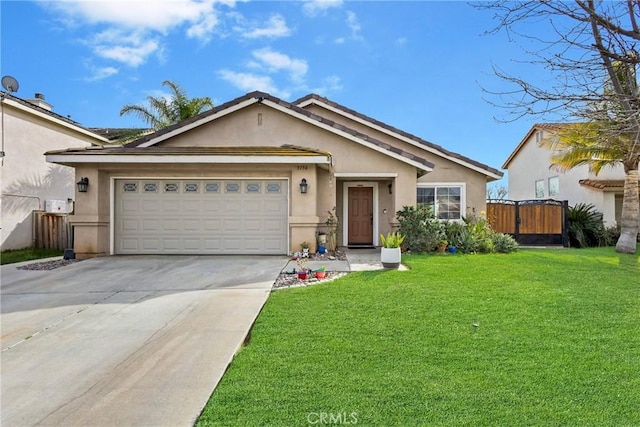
(99, 73)
(131, 48)
(275, 27)
(249, 82)
(161, 15)
(330, 84)
(135, 29)
(276, 61)
(354, 25)
(319, 7)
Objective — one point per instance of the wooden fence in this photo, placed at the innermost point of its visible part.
(531, 222)
(51, 230)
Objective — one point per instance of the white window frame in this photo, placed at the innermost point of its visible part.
(535, 188)
(435, 185)
(557, 186)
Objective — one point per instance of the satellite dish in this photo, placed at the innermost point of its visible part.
(10, 84)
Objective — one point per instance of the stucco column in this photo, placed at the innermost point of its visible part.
(91, 217)
(303, 219)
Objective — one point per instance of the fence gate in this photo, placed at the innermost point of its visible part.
(51, 230)
(531, 222)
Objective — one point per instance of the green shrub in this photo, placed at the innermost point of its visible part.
(609, 236)
(420, 228)
(473, 235)
(586, 228)
(504, 243)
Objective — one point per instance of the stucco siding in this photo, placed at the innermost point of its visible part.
(27, 179)
(533, 163)
(445, 170)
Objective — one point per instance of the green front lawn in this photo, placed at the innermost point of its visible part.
(27, 254)
(538, 337)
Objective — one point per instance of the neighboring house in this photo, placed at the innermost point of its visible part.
(258, 175)
(532, 177)
(29, 129)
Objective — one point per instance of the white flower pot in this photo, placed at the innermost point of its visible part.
(390, 257)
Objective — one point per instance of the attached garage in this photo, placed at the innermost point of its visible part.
(201, 216)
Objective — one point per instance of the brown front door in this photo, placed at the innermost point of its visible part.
(360, 216)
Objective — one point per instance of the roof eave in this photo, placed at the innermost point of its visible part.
(419, 143)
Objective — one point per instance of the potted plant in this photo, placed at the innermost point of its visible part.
(322, 242)
(305, 249)
(390, 254)
(321, 273)
(333, 224)
(303, 271)
(442, 245)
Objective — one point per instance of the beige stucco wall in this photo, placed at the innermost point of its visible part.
(445, 170)
(263, 126)
(27, 179)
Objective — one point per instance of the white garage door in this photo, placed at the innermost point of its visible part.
(193, 216)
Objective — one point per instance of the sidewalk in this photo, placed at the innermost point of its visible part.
(357, 260)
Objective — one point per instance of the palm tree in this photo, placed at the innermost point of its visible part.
(162, 112)
(598, 145)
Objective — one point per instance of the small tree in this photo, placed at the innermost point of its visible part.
(166, 111)
(590, 49)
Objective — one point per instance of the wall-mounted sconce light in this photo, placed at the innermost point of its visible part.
(83, 185)
(390, 186)
(304, 186)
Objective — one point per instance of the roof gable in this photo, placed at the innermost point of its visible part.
(50, 116)
(399, 134)
(292, 110)
(547, 127)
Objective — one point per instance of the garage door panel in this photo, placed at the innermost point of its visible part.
(232, 224)
(254, 225)
(130, 206)
(273, 207)
(151, 225)
(150, 205)
(129, 244)
(192, 244)
(129, 225)
(273, 226)
(191, 206)
(231, 244)
(212, 245)
(212, 206)
(201, 217)
(212, 225)
(151, 244)
(170, 224)
(171, 244)
(191, 225)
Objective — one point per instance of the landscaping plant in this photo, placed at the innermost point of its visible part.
(421, 229)
(586, 228)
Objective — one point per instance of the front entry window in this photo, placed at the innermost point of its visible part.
(444, 200)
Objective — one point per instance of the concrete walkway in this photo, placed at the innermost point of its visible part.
(357, 260)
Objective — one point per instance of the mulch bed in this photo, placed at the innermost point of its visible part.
(288, 280)
(48, 265)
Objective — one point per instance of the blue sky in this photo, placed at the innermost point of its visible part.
(419, 66)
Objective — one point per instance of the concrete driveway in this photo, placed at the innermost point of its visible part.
(129, 341)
